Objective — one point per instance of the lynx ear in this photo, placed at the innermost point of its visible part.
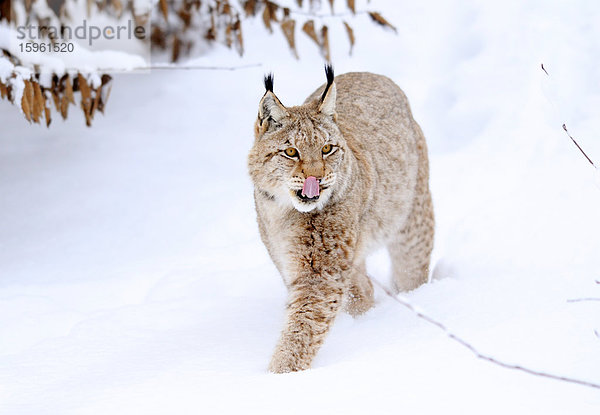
(327, 105)
(270, 108)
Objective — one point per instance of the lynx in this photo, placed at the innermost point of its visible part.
(334, 179)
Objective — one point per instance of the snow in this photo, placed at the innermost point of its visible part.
(133, 279)
(6, 68)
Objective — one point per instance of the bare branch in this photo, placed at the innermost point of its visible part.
(475, 352)
(578, 300)
(326, 15)
(564, 126)
(178, 68)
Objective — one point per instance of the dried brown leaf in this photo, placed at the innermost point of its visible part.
(56, 99)
(226, 9)
(273, 7)
(211, 33)
(106, 79)
(299, 2)
(176, 49)
(267, 18)
(325, 43)
(229, 35)
(288, 27)
(30, 91)
(38, 102)
(47, 113)
(3, 91)
(69, 90)
(185, 16)
(237, 27)
(118, 6)
(158, 38)
(83, 86)
(5, 10)
(57, 89)
(86, 99)
(105, 92)
(350, 34)
(88, 118)
(351, 5)
(96, 100)
(164, 9)
(378, 18)
(309, 28)
(26, 102)
(331, 5)
(250, 7)
(64, 106)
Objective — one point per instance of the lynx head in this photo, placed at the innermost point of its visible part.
(298, 154)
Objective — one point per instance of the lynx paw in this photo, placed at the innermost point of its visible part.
(282, 362)
(359, 298)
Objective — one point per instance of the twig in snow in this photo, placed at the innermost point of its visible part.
(473, 350)
(564, 126)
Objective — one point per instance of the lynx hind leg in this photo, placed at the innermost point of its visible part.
(358, 298)
(410, 252)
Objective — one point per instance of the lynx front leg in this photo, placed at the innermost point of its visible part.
(314, 302)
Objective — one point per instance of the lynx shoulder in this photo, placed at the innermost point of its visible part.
(335, 178)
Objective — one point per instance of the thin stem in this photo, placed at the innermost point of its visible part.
(176, 68)
(577, 300)
(564, 126)
(478, 354)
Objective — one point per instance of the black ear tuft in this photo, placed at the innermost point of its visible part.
(329, 73)
(330, 76)
(269, 82)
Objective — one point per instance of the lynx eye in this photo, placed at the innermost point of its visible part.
(327, 149)
(291, 152)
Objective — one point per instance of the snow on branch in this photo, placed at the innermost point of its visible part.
(34, 94)
(49, 58)
(182, 24)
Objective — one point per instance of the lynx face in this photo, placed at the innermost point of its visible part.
(298, 153)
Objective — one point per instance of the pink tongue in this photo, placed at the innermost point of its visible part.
(311, 187)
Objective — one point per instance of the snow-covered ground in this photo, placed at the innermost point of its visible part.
(133, 279)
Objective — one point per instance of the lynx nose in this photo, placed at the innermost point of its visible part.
(311, 187)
